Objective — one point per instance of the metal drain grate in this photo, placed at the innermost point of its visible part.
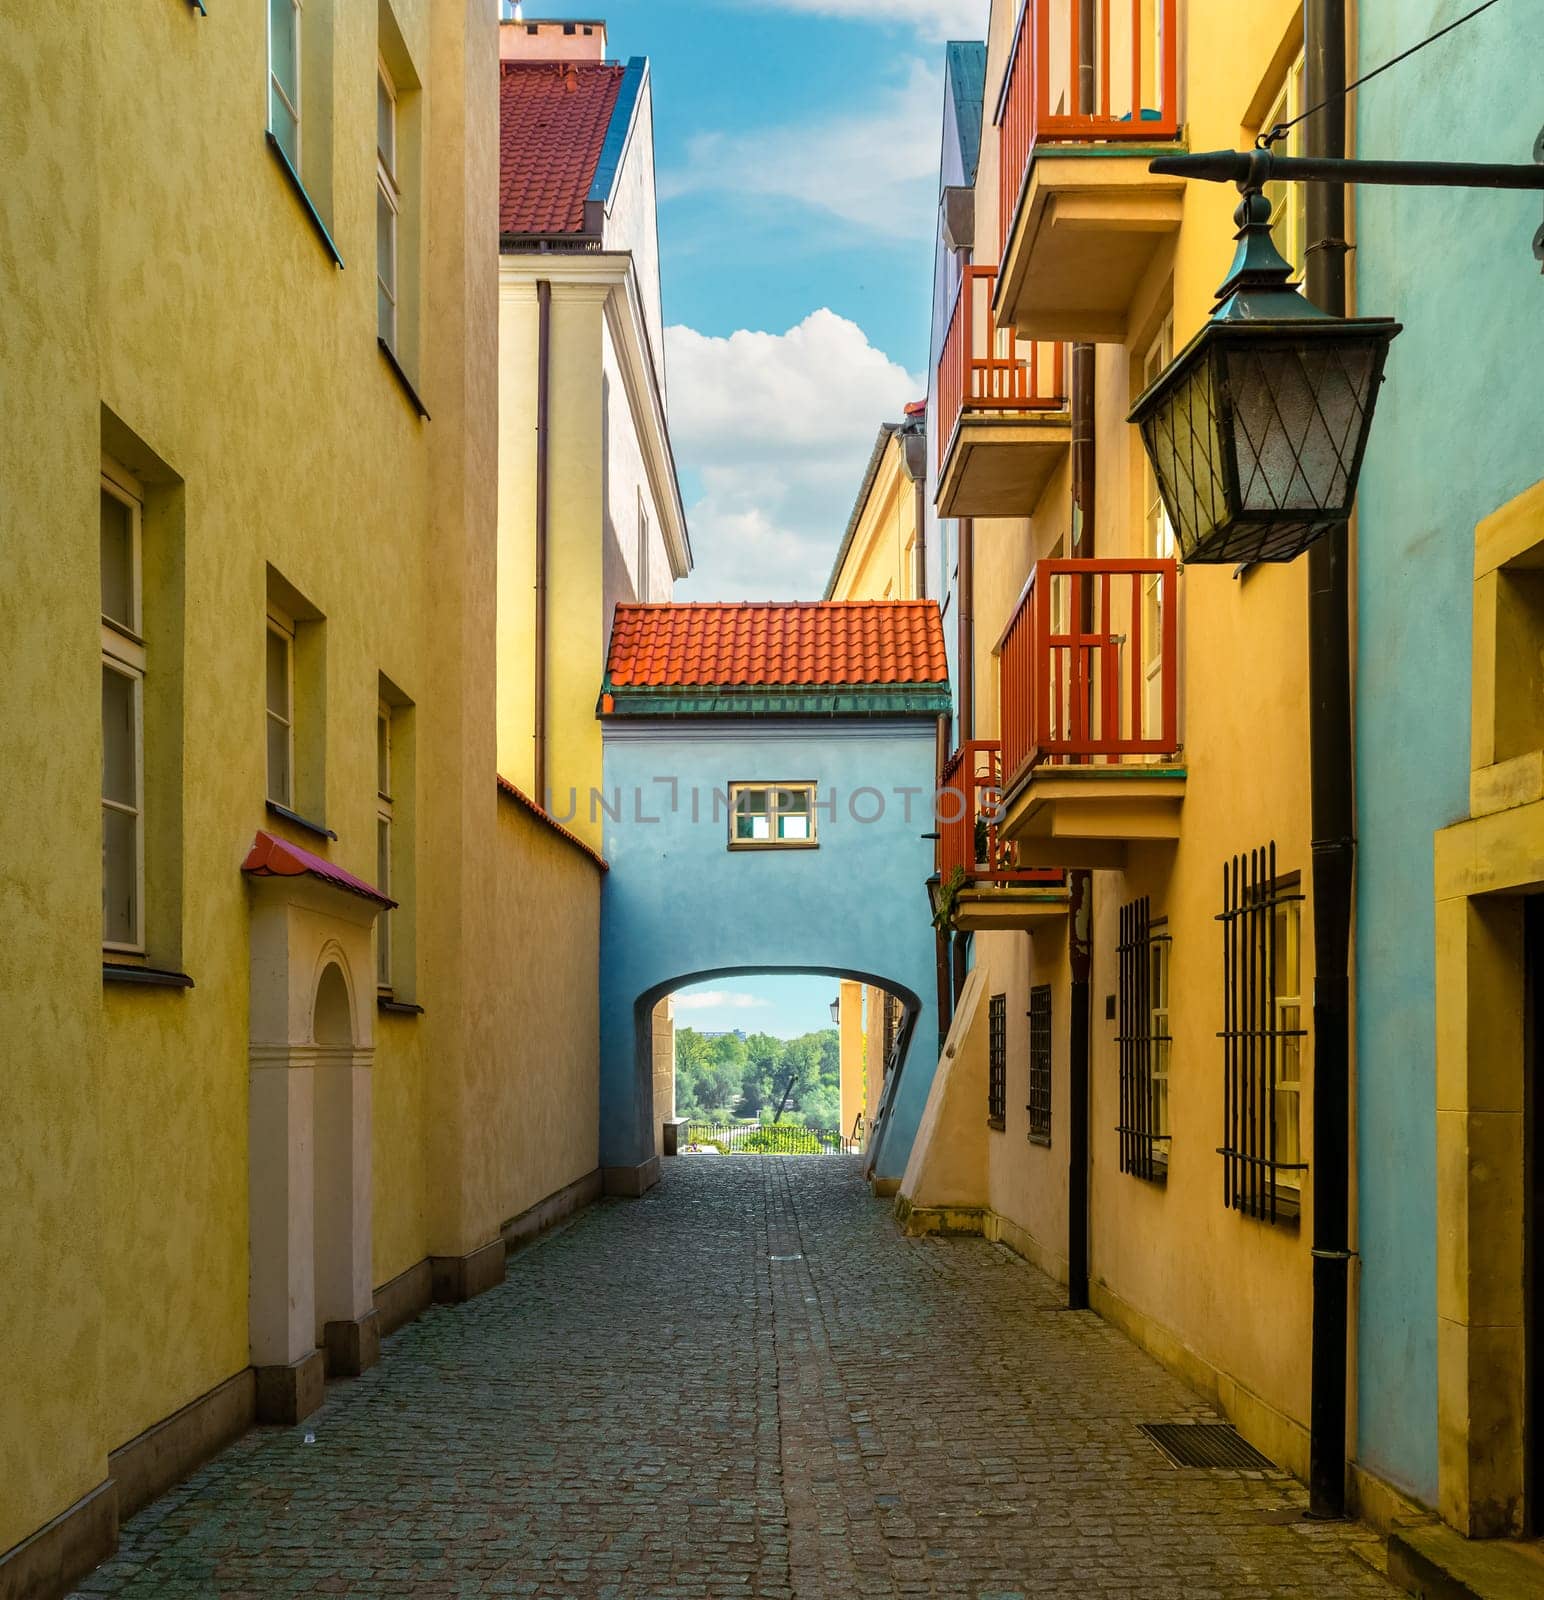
(1206, 1444)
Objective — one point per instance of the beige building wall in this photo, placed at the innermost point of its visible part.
(171, 302)
(879, 557)
(1221, 1297)
(664, 1069)
(850, 1045)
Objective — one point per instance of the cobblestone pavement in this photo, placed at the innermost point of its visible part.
(745, 1384)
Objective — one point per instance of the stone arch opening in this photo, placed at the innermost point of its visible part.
(644, 1040)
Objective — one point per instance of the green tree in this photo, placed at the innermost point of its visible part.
(693, 1066)
(725, 1076)
(763, 1061)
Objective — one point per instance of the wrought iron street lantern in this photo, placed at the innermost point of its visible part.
(1256, 430)
(836, 1009)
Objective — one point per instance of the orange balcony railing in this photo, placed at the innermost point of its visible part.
(1085, 72)
(969, 802)
(988, 368)
(1089, 666)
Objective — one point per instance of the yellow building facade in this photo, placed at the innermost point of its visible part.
(256, 1118)
(1071, 239)
(590, 509)
(882, 556)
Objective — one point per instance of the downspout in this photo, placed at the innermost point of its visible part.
(966, 650)
(1080, 911)
(1080, 931)
(1333, 811)
(940, 938)
(543, 385)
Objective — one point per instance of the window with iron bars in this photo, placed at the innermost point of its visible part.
(1262, 1037)
(891, 1027)
(997, 1062)
(1144, 1041)
(1040, 1063)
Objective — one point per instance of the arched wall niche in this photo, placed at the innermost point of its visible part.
(311, 1051)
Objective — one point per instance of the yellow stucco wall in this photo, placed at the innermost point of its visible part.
(880, 562)
(544, 1088)
(1214, 1292)
(168, 298)
(850, 1047)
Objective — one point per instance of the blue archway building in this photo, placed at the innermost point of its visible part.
(769, 773)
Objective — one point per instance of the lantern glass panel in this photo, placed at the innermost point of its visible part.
(1298, 413)
(1185, 445)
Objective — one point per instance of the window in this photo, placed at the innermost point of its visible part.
(890, 1030)
(123, 715)
(1040, 1063)
(642, 568)
(284, 76)
(997, 1061)
(388, 206)
(1289, 201)
(1262, 1037)
(771, 815)
(281, 709)
(384, 812)
(1143, 1039)
(1157, 544)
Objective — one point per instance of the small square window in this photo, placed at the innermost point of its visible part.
(770, 815)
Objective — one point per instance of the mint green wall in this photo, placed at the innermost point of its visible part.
(1459, 429)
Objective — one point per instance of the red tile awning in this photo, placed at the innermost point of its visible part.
(272, 857)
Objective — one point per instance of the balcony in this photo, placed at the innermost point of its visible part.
(1002, 409)
(1089, 677)
(1083, 109)
(997, 892)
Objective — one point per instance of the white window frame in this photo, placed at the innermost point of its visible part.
(1289, 201)
(1158, 543)
(1288, 920)
(297, 21)
(773, 793)
(389, 189)
(1160, 1035)
(124, 653)
(281, 626)
(385, 817)
(644, 531)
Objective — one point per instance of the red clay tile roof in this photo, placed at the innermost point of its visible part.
(794, 643)
(270, 857)
(553, 117)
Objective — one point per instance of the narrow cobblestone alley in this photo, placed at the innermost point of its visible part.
(747, 1383)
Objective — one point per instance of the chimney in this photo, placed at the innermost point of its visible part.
(541, 40)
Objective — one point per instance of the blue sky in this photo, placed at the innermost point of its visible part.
(797, 161)
(785, 1006)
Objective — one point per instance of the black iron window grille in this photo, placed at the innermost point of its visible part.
(1262, 1037)
(1144, 1039)
(1040, 1063)
(997, 1062)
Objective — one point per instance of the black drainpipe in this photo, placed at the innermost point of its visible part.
(1080, 883)
(1332, 805)
(1080, 929)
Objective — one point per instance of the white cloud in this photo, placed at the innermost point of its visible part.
(875, 167)
(778, 429)
(717, 999)
(933, 19)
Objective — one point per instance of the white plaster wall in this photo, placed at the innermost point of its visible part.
(633, 222)
(625, 479)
